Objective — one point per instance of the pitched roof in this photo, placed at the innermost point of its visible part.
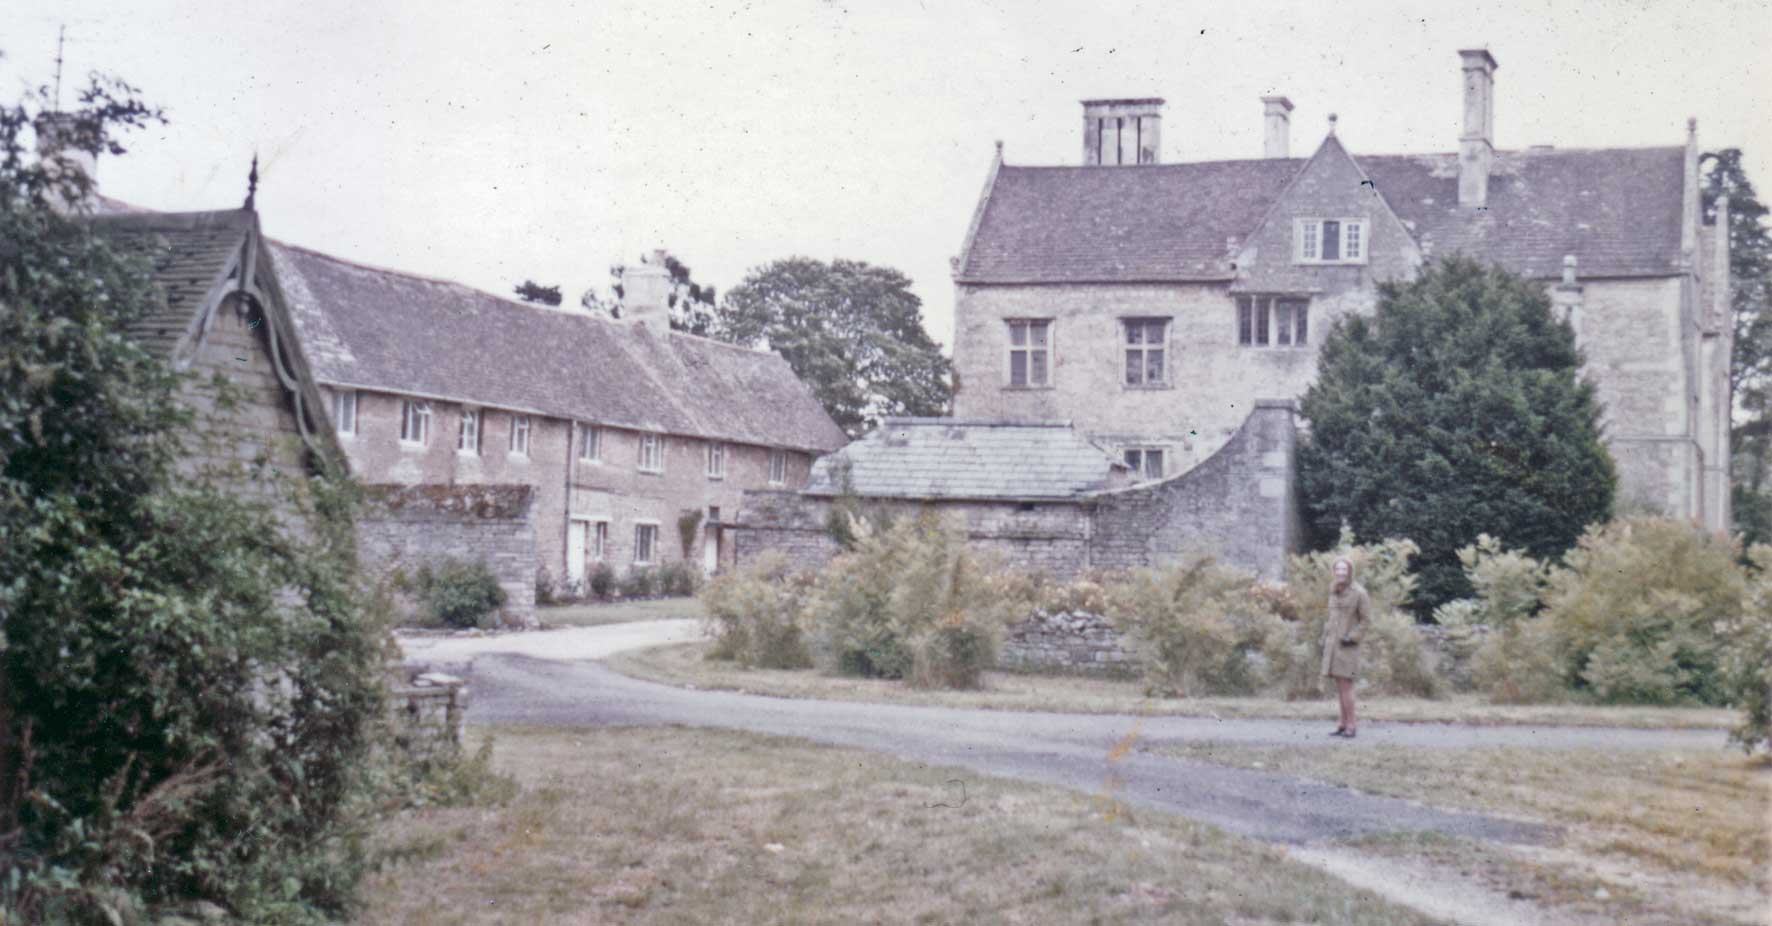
(190, 254)
(388, 331)
(1616, 209)
(956, 458)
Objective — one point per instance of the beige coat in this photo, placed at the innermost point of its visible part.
(1349, 611)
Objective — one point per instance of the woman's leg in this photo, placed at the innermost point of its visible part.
(1345, 688)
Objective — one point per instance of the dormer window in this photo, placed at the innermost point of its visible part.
(1330, 241)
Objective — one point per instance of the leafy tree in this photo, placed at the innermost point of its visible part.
(692, 306)
(531, 291)
(1750, 369)
(853, 331)
(1455, 410)
(188, 689)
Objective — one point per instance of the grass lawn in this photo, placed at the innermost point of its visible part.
(669, 825)
(618, 612)
(684, 664)
(1668, 837)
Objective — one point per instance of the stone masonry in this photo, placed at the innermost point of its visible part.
(403, 528)
(1067, 643)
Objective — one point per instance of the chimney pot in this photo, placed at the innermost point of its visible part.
(1476, 145)
(646, 293)
(1122, 131)
(1276, 119)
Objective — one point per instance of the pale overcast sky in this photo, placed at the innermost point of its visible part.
(491, 142)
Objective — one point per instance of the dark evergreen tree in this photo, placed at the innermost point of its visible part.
(1456, 409)
(1750, 369)
(531, 291)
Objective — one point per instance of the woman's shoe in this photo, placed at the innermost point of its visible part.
(1339, 731)
(1349, 733)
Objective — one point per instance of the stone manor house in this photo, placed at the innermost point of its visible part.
(1171, 313)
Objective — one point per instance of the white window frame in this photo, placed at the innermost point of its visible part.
(1028, 351)
(344, 412)
(1143, 348)
(1264, 326)
(1308, 240)
(415, 422)
(652, 448)
(650, 548)
(467, 435)
(716, 453)
(590, 444)
(520, 433)
(1141, 468)
(778, 467)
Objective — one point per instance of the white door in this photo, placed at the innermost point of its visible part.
(575, 551)
(710, 555)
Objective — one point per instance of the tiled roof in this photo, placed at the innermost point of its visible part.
(1616, 209)
(394, 332)
(964, 459)
(190, 253)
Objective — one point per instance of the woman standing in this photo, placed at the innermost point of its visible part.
(1349, 609)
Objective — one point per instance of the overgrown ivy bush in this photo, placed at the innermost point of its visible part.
(754, 615)
(1195, 626)
(458, 593)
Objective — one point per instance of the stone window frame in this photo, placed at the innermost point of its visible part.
(778, 467)
(646, 542)
(651, 453)
(1309, 243)
(1144, 348)
(415, 423)
(521, 431)
(1144, 454)
(344, 412)
(1257, 321)
(478, 419)
(716, 459)
(1049, 327)
(590, 442)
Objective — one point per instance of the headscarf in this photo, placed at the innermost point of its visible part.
(1335, 588)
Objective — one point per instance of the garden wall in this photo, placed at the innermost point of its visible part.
(1068, 643)
(402, 528)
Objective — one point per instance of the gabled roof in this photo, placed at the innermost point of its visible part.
(957, 458)
(382, 330)
(190, 254)
(1616, 209)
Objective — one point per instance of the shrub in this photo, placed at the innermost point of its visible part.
(1394, 661)
(1747, 663)
(1635, 615)
(679, 579)
(640, 582)
(1518, 664)
(1508, 583)
(601, 580)
(1087, 595)
(754, 615)
(458, 593)
(1194, 626)
(545, 590)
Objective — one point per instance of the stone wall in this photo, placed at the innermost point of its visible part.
(1077, 643)
(427, 711)
(402, 528)
(783, 522)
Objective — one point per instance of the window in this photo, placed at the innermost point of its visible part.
(468, 439)
(716, 460)
(1030, 352)
(651, 453)
(1331, 241)
(1146, 340)
(1145, 462)
(778, 467)
(520, 435)
(1281, 321)
(600, 540)
(590, 443)
(645, 539)
(344, 412)
(415, 422)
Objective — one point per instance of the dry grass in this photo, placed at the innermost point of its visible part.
(619, 612)
(684, 664)
(1670, 835)
(662, 825)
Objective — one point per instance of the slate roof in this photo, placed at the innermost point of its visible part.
(1616, 209)
(190, 254)
(956, 458)
(387, 331)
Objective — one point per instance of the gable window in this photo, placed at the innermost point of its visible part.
(415, 422)
(1279, 321)
(651, 453)
(778, 467)
(716, 460)
(645, 542)
(468, 439)
(1030, 352)
(520, 435)
(1147, 340)
(590, 443)
(1145, 462)
(1330, 241)
(344, 412)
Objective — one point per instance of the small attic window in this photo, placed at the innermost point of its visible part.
(1329, 241)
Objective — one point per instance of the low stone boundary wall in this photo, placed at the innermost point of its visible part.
(428, 710)
(402, 528)
(1069, 643)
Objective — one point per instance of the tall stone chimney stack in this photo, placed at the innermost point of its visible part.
(59, 150)
(646, 293)
(1476, 146)
(1122, 131)
(1276, 124)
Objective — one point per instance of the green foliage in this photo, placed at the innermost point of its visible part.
(1747, 658)
(1456, 409)
(453, 780)
(544, 587)
(601, 580)
(531, 291)
(754, 615)
(1508, 583)
(687, 524)
(851, 331)
(1518, 664)
(639, 582)
(912, 602)
(1394, 658)
(1194, 626)
(1750, 371)
(458, 593)
(679, 579)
